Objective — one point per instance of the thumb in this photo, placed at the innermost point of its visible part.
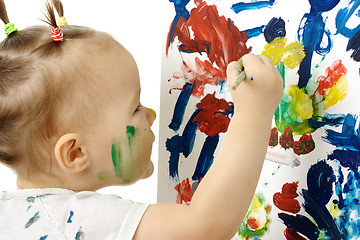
(235, 73)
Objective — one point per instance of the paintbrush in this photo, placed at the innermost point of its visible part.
(241, 76)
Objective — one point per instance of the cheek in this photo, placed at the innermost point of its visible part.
(131, 154)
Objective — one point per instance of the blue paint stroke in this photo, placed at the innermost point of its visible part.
(241, 6)
(70, 217)
(349, 219)
(180, 9)
(347, 142)
(321, 215)
(32, 219)
(311, 32)
(354, 44)
(343, 17)
(206, 157)
(44, 237)
(300, 224)
(254, 32)
(320, 179)
(189, 134)
(175, 147)
(323, 5)
(180, 106)
(274, 29)
(328, 120)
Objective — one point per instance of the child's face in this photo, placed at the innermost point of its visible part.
(121, 143)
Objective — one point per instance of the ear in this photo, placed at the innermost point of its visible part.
(71, 154)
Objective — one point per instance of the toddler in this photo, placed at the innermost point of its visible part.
(72, 123)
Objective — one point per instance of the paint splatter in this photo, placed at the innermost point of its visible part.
(33, 219)
(305, 145)
(257, 220)
(71, 214)
(184, 192)
(287, 139)
(43, 237)
(274, 137)
(286, 199)
(213, 116)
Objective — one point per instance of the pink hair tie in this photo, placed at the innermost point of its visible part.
(57, 34)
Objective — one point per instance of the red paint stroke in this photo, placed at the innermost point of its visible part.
(287, 138)
(217, 36)
(305, 145)
(333, 74)
(286, 199)
(184, 192)
(274, 137)
(253, 223)
(291, 234)
(212, 120)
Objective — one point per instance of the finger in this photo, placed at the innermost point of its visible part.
(266, 60)
(235, 73)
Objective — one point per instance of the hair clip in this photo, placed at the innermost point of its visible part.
(10, 28)
(62, 21)
(57, 34)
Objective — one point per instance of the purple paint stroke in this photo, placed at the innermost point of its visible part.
(242, 6)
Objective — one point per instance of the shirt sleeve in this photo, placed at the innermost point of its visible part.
(92, 216)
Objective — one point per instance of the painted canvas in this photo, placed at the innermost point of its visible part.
(308, 188)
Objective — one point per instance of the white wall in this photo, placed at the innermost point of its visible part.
(138, 25)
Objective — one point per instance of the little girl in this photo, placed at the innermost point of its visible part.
(72, 123)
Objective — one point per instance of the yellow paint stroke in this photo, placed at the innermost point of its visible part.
(275, 50)
(292, 54)
(300, 106)
(337, 93)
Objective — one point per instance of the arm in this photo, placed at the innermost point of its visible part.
(223, 197)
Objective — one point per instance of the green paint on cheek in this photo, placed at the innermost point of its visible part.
(116, 158)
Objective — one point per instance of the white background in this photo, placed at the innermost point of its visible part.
(138, 25)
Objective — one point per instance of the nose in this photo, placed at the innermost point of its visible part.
(152, 115)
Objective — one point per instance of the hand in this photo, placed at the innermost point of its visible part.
(259, 94)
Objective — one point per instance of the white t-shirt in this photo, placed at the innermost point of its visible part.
(51, 214)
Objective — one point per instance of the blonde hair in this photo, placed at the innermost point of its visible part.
(39, 80)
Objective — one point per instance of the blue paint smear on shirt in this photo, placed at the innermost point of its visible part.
(206, 157)
(79, 234)
(241, 6)
(180, 107)
(32, 220)
(43, 237)
(70, 217)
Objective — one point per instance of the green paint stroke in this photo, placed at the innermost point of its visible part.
(117, 159)
(117, 156)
